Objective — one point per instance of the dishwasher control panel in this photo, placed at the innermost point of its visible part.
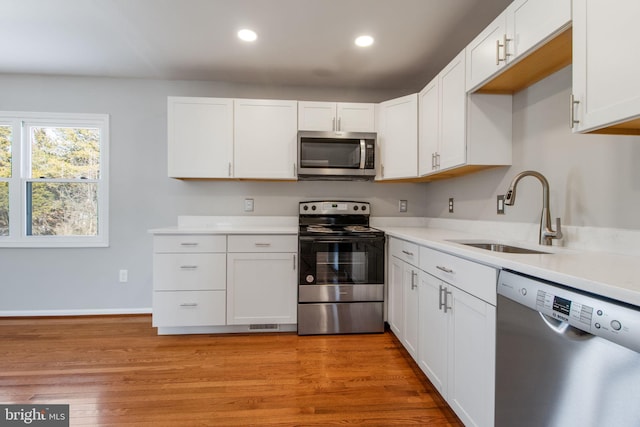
(615, 322)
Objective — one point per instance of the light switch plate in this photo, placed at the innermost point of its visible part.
(402, 206)
(450, 204)
(500, 204)
(248, 205)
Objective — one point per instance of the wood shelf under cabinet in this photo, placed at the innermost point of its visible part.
(550, 57)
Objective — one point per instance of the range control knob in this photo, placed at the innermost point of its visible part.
(305, 207)
(364, 207)
(616, 325)
(313, 208)
(355, 208)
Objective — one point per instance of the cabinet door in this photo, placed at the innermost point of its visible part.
(453, 104)
(485, 54)
(356, 117)
(265, 138)
(398, 137)
(316, 116)
(200, 137)
(530, 22)
(605, 65)
(411, 321)
(471, 379)
(261, 288)
(395, 302)
(428, 126)
(433, 333)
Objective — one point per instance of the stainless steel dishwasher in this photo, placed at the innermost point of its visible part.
(564, 357)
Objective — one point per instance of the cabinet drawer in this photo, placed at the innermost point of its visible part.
(404, 250)
(189, 308)
(189, 272)
(189, 243)
(263, 243)
(477, 279)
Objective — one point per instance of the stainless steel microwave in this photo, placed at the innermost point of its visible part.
(336, 155)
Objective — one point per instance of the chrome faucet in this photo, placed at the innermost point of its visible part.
(546, 233)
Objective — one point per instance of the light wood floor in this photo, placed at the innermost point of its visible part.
(115, 370)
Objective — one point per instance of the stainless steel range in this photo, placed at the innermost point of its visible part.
(341, 274)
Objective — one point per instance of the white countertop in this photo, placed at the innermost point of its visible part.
(611, 275)
(232, 225)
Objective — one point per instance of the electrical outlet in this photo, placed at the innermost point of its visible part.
(124, 276)
(450, 204)
(248, 205)
(500, 204)
(402, 206)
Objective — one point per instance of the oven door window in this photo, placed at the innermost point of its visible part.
(331, 263)
(329, 153)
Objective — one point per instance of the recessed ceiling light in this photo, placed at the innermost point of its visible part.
(364, 41)
(247, 35)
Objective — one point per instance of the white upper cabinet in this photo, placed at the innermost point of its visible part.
(265, 138)
(485, 53)
(200, 137)
(524, 27)
(428, 126)
(460, 133)
(331, 116)
(606, 66)
(453, 101)
(397, 121)
(530, 22)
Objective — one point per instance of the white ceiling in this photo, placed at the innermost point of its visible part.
(300, 42)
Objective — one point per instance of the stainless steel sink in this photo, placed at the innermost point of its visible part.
(499, 247)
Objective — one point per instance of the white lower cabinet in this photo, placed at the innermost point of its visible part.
(261, 280)
(218, 283)
(448, 327)
(403, 304)
(189, 280)
(457, 348)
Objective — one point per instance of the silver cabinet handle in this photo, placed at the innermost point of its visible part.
(189, 304)
(188, 267)
(407, 253)
(229, 168)
(188, 244)
(574, 103)
(294, 262)
(506, 47)
(294, 169)
(382, 171)
(446, 299)
(339, 123)
(333, 124)
(262, 245)
(443, 298)
(445, 269)
(413, 281)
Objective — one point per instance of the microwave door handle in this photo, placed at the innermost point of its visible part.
(363, 153)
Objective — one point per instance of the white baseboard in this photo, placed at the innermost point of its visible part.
(89, 312)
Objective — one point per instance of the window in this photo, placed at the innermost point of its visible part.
(53, 180)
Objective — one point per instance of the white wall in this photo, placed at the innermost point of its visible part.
(141, 195)
(594, 179)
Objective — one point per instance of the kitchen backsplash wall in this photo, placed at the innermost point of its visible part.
(594, 179)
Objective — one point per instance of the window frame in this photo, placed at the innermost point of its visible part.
(21, 122)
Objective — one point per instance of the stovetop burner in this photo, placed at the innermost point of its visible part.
(340, 218)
